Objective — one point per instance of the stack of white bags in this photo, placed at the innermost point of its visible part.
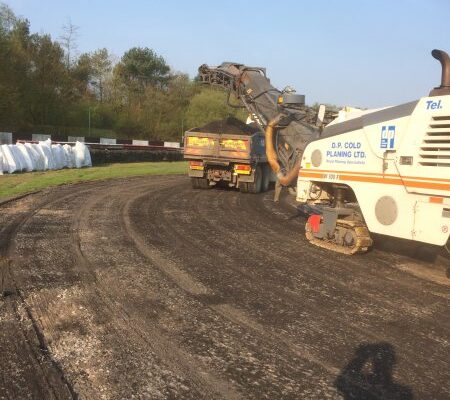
(43, 156)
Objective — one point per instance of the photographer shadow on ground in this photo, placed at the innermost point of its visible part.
(368, 376)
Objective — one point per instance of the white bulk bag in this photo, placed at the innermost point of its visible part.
(46, 148)
(3, 167)
(87, 157)
(62, 155)
(1, 162)
(20, 162)
(36, 158)
(58, 156)
(42, 160)
(5, 163)
(79, 154)
(69, 155)
(29, 165)
(9, 164)
(82, 155)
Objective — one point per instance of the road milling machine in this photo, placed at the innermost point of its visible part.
(384, 171)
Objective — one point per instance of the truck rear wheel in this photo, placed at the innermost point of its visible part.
(243, 187)
(265, 178)
(200, 183)
(256, 185)
(194, 183)
(204, 183)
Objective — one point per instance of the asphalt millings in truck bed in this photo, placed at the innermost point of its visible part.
(228, 125)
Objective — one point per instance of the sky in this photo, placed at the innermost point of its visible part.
(366, 53)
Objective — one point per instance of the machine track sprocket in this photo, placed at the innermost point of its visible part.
(361, 238)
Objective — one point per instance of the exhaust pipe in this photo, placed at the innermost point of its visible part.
(444, 59)
(272, 158)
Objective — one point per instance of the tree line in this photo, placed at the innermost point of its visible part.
(46, 86)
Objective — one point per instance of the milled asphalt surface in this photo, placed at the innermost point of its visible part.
(145, 288)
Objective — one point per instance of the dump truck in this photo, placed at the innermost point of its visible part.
(228, 153)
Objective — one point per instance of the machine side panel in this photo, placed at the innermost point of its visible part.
(404, 203)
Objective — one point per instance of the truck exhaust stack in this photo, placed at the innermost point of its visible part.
(444, 59)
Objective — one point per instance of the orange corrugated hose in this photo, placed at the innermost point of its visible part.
(272, 158)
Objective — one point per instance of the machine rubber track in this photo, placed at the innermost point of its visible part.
(362, 242)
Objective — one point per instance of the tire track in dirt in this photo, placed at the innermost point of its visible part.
(197, 290)
(145, 275)
(366, 334)
(187, 283)
(50, 381)
(258, 220)
(210, 386)
(296, 253)
(225, 238)
(124, 330)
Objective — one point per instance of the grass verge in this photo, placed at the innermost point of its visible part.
(17, 184)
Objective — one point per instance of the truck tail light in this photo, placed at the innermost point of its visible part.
(244, 169)
(196, 165)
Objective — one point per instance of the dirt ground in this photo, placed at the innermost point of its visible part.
(147, 289)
